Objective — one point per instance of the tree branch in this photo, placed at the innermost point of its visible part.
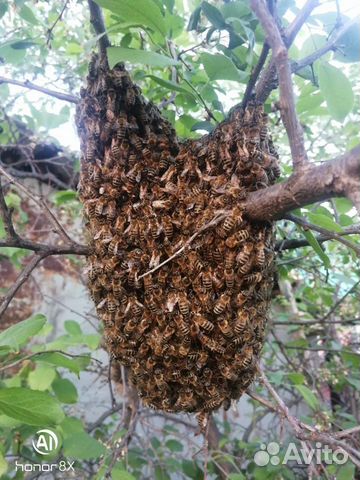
(287, 102)
(97, 21)
(27, 84)
(267, 81)
(335, 178)
(324, 231)
(294, 243)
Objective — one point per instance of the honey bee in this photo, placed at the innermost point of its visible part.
(150, 302)
(237, 238)
(242, 320)
(111, 303)
(229, 278)
(111, 264)
(183, 328)
(230, 260)
(167, 226)
(150, 363)
(244, 359)
(130, 97)
(184, 349)
(207, 280)
(221, 304)
(111, 210)
(243, 258)
(228, 372)
(253, 278)
(148, 283)
(130, 326)
(154, 228)
(225, 327)
(184, 304)
(115, 150)
(105, 132)
(203, 323)
(201, 359)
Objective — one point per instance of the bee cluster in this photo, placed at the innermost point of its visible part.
(191, 330)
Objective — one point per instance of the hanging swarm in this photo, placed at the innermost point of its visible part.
(191, 330)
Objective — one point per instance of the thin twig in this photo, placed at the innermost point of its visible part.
(39, 201)
(52, 93)
(323, 231)
(24, 275)
(36, 354)
(212, 223)
(255, 75)
(50, 30)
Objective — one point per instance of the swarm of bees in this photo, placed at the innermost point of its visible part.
(190, 329)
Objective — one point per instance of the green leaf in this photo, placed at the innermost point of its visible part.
(144, 12)
(20, 333)
(118, 473)
(3, 465)
(315, 245)
(65, 390)
(324, 221)
(336, 89)
(355, 382)
(64, 196)
(204, 125)
(213, 15)
(42, 377)
(236, 476)
(72, 327)
(74, 365)
(28, 15)
(296, 378)
(348, 45)
(308, 396)
(82, 447)
(219, 67)
(119, 54)
(171, 85)
(343, 205)
(174, 445)
(30, 406)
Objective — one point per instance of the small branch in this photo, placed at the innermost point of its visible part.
(97, 21)
(36, 354)
(40, 202)
(315, 322)
(320, 349)
(294, 243)
(103, 417)
(5, 214)
(255, 74)
(330, 45)
(267, 81)
(27, 84)
(287, 101)
(24, 275)
(300, 428)
(324, 231)
(212, 223)
(50, 30)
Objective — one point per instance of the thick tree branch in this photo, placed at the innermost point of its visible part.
(287, 101)
(27, 84)
(335, 178)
